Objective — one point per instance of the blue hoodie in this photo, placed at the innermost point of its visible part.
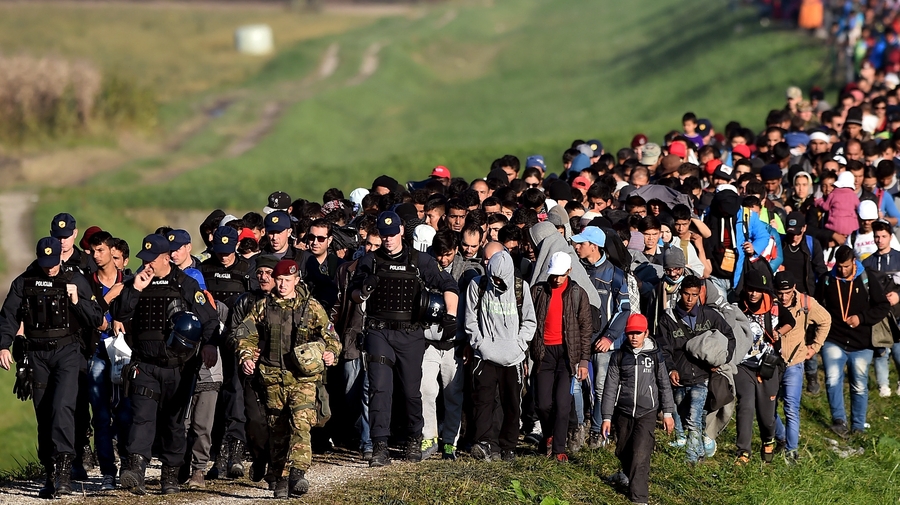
(759, 237)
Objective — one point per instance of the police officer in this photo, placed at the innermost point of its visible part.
(148, 302)
(289, 334)
(390, 281)
(53, 305)
(256, 429)
(227, 276)
(279, 242)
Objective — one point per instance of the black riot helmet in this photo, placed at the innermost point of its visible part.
(184, 340)
(432, 307)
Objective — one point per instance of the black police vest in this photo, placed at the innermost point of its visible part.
(398, 294)
(226, 284)
(45, 308)
(159, 301)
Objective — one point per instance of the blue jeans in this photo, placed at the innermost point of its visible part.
(106, 427)
(600, 360)
(791, 388)
(857, 362)
(882, 369)
(690, 402)
(357, 393)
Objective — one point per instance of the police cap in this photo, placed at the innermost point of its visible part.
(388, 223)
(178, 239)
(48, 252)
(62, 226)
(152, 246)
(225, 240)
(277, 222)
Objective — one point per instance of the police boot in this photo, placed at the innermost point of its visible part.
(169, 479)
(64, 474)
(380, 455)
(236, 464)
(133, 478)
(49, 490)
(281, 488)
(220, 468)
(414, 449)
(298, 484)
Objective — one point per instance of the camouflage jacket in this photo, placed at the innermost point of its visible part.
(275, 326)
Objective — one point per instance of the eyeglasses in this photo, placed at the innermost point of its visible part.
(316, 238)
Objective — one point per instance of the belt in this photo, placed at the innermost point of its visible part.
(48, 344)
(161, 362)
(377, 324)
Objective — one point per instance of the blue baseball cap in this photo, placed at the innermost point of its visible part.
(178, 239)
(536, 160)
(62, 226)
(152, 246)
(795, 139)
(388, 223)
(591, 234)
(48, 252)
(225, 240)
(277, 222)
(579, 163)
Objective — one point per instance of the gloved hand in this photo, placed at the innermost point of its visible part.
(449, 326)
(24, 380)
(369, 285)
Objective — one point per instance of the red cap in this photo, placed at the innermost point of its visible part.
(441, 171)
(638, 140)
(712, 165)
(742, 149)
(581, 182)
(678, 149)
(285, 267)
(637, 323)
(246, 233)
(87, 236)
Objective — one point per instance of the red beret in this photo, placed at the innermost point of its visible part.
(285, 267)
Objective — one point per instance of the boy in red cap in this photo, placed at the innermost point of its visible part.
(637, 387)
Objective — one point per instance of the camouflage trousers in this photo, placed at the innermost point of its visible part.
(291, 411)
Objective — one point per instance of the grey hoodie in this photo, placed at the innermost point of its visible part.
(495, 332)
(548, 241)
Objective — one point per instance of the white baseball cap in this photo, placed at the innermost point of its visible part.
(560, 263)
(868, 210)
(846, 180)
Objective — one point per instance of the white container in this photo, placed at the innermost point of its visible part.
(253, 39)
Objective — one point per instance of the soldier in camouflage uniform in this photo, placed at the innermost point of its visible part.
(289, 340)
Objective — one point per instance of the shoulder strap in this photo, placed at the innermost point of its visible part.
(809, 244)
(413, 259)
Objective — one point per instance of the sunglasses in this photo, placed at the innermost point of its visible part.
(316, 238)
(535, 185)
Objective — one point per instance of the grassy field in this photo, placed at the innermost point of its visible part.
(822, 477)
(500, 77)
(18, 428)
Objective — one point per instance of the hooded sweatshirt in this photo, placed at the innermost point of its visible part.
(549, 241)
(492, 319)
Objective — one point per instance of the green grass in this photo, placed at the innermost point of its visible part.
(503, 77)
(18, 428)
(822, 478)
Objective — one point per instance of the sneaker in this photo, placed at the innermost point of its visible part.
(792, 457)
(429, 448)
(742, 459)
(839, 427)
(449, 452)
(709, 445)
(109, 483)
(595, 440)
(508, 456)
(618, 479)
(678, 442)
(884, 391)
(562, 458)
(367, 455)
(481, 451)
(779, 446)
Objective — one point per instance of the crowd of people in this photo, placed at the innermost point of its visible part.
(685, 282)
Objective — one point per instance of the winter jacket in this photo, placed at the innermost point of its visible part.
(865, 299)
(674, 336)
(492, 321)
(577, 323)
(841, 206)
(812, 320)
(813, 261)
(348, 317)
(615, 306)
(637, 383)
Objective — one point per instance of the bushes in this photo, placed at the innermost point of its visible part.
(52, 98)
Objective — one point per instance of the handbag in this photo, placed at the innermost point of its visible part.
(770, 363)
